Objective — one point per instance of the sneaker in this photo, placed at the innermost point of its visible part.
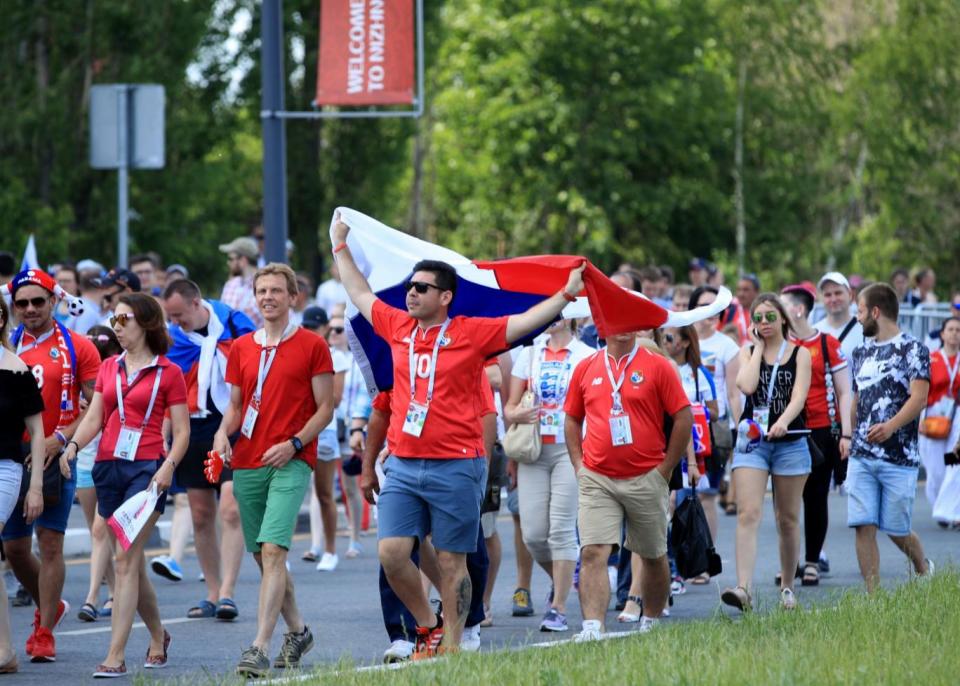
(824, 563)
(167, 567)
(295, 646)
(328, 562)
(677, 586)
(253, 663)
(931, 568)
(44, 647)
(22, 598)
(592, 631)
(62, 609)
(788, 600)
(428, 641)
(522, 607)
(353, 550)
(104, 672)
(647, 624)
(470, 641)
(487, 620)
(554, 620)
(399, 651)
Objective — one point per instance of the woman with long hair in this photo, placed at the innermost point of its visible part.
(547, 488)
(101, 555)
(133, 392)
(21, 408)
(941, 402)
(775, 377)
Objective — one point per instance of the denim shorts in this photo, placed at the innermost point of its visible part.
(441, 497)
(513, 502)
(780, 458)
(880, 494)
(328, 447)
(52, 518)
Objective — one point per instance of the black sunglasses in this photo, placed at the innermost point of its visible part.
(420, 286)
(36, 302)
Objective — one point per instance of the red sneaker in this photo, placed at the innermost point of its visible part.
(44, 647)
(427, 641)
(62, 609)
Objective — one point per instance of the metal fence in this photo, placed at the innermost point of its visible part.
(920, 321)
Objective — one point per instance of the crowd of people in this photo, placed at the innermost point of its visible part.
(243, 408)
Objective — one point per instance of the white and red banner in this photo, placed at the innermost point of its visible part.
(366, 52)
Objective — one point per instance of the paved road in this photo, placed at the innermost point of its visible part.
(343, 610)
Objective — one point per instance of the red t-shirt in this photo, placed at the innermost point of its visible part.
(816, 409)
(287, 399)
(46, 363)
(939, 378)
(651, 388)
(452, 428)
(136, 398)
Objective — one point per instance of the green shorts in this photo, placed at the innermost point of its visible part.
(269, 500)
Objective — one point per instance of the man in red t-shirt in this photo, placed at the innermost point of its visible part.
(65, 366)
(437, 469)
(623, 466)
(281, 396)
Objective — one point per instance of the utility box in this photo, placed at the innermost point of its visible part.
(127, 126)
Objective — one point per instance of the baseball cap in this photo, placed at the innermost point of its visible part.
(90, 265)
(697, 263)
(178, 269)
(315, 317)
(804, 290)
(244, 245)
(834, 277)
(119, 276)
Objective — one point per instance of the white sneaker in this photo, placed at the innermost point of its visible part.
(328, 562)
(592, 631)
(931, 568)
(470, 641)
(399, 651)
(788, 601)
(647, 624)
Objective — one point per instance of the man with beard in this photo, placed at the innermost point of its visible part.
(891, 377)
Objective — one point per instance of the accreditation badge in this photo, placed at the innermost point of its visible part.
(620, 433)
(761, 415)
(127, 443)
(249, 421)
(415, 419)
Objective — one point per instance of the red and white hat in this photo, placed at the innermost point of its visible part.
(38, 277)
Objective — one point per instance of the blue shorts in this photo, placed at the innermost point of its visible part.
(84, 478)
(780, 458)
(53, 518)
(118, 480)
(328, 447)
(880, 494)
(513, 502)
(436, 496)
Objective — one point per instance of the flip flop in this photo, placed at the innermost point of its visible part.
(700, 580)
(227, 610)
(202, 610)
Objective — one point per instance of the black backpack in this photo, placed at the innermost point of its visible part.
(691, 540)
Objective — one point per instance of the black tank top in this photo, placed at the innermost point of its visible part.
(782, 390)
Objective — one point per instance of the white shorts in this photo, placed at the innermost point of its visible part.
(10, 474)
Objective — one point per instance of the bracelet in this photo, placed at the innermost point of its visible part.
(569, 298)
(74, 444)
(355, 430)
(61, 438)
(171, 461)
(849, 438)
(339, 247)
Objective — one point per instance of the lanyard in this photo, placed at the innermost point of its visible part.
(773, 374)
(951, 371)
(153, 394)
(433, 362)
(36, 341)
(267, 355)
(615, 385)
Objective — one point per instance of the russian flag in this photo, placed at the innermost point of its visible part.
(488, 289)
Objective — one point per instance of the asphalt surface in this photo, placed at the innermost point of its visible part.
(342, 608)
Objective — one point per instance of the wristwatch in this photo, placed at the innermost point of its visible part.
(297, 444)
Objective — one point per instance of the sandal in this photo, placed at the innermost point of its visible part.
(628, 617)
(227, 610)
(737, 597)
(731, 509)
(107, 611)
(88, 613)
(158, 661)
(309, 556)
(202, 610)
(700, 579)
(778, 579)
(811, 574)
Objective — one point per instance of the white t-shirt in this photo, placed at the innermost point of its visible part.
(716, 353)
(707, 388)
(853, 340)
(552, 380)
(341, 363)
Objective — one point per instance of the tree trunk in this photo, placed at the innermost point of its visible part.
(738, 203)
(847, 212)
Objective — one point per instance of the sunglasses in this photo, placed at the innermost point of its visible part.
(100, 338)
(420, 287)
(121, 319)
(36, 302)
(771, 317)
(336, 329)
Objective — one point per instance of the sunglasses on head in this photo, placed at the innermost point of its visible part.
(420, 286)
(771, 317)
(121, 318)
(36, 302)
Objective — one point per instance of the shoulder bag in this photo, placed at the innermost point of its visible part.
(522, 442)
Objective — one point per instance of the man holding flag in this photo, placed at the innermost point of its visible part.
(203, 332)
(436, 476)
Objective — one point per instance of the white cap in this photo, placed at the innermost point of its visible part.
(833, 277)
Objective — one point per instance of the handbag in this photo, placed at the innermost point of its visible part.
(522, 442)
(51, 484)
(938, 428)
(816, 455)
(691, 540)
